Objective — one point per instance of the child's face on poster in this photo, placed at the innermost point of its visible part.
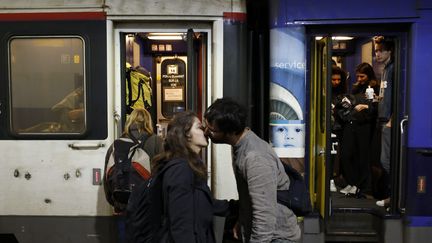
(288, 135)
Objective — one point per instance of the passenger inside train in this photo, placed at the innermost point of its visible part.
(358, 143)
(70, 110)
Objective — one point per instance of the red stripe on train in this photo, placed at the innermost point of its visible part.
(235, 16)
(52, 16)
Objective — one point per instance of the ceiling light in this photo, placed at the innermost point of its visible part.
(165, 36)
(336, 38)
(342, 38)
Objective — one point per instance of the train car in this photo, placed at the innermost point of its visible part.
(64, 98)
(303, 38)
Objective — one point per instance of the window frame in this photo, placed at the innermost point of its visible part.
(93, 32)
(10, 84)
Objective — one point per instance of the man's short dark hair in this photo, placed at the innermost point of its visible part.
(228, 115)
(386, 43)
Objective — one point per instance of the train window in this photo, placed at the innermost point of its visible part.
(47, 85)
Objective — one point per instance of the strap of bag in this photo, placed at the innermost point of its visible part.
(140, 93)
(107, 157)
(137, 140)
(129, 87)
(107, 189)
(126, 165)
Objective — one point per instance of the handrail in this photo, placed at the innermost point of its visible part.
(117, 122)
(84, 146)
(401, 163)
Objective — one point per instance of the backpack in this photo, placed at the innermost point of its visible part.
(145, 218)
(138, 89)
(297, 197)
(126, 165)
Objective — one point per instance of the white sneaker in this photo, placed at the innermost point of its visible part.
(384, 202)
(353, 190)
(333, 186)
(380, 203)
(346, 189)
(349, 190)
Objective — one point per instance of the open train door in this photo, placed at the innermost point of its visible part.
(319, 121)
(182, 79)
(175, 64)
(196, 53)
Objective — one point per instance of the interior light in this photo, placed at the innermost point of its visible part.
(165, 36)
(336, 38)
(342, 38)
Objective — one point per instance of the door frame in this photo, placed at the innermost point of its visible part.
(214, 67)
(399, 106)
(319, 121)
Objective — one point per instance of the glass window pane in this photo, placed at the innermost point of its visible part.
(47, 85)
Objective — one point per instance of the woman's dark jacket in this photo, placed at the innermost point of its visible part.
(190, 205)
(367, 115)
(349, 114)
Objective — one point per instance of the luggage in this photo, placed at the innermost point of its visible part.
(126, 165)
(145, 213)
(138, 89)
(297, 197)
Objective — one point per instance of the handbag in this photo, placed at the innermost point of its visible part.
(297, 197)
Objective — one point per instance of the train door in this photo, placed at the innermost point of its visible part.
(173, 65)
(319, 122)
(338, 209)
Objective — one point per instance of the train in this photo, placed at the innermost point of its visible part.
(65, 94)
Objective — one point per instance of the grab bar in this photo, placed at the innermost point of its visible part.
(81, 146)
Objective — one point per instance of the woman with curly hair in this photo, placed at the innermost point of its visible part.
(187, 198)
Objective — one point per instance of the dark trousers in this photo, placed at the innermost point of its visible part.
(121, 228)
(354, 154)
(380, 177)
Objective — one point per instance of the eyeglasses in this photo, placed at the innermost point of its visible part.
(209, 130)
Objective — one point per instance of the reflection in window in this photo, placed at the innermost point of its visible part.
(47, 87)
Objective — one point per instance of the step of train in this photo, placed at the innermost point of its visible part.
(353, 227)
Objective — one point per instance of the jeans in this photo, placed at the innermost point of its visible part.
(385, 148)
(121, 228)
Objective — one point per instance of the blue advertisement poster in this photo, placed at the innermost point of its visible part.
(287, 91)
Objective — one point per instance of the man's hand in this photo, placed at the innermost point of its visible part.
(361, 107)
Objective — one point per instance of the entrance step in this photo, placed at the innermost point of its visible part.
(353, 227)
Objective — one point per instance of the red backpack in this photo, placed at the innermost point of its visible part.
(126, 165)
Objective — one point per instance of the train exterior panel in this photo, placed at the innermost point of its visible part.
(52, 172)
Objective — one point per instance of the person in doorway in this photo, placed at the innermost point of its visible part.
(138, 130)
(365, 78)
(338, 82)
(139, 127)
(259, 174)
(338, 88)
(189, 202)
(384, 48)
(357, 133)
